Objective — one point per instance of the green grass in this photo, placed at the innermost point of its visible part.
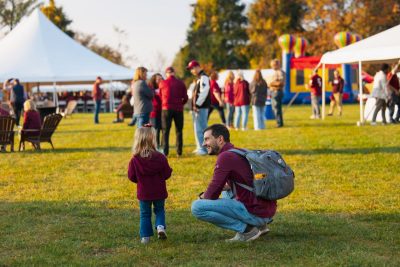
(75, 205)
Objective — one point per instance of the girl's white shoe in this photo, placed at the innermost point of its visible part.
(161, 232)
(145, 240)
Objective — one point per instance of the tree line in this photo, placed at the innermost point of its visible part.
(224, 34)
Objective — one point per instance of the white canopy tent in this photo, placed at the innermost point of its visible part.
(382, 47)
(37, 51)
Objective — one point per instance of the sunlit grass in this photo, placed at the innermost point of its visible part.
(75, 205)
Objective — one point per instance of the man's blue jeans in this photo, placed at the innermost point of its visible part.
(97, 105)
(258, 117)
(231, 110)
(200, 120)
(241, 112)
(146, 229)
(226, 213)
(142, 119)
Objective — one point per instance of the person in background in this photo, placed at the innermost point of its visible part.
(241, 101)
(337, 92)
(149, 169)
(3, 112)
(394, 100)
(142, 97)
(380, 92)
(32, 122)
(201, 101)
(276, 82)
(97, 95)
(155, 115)
(123, 107)
(243, 212)
(315, 85)
(217, 101)
(173, 97)
(229, 97)
(17, 99)
(258, 91)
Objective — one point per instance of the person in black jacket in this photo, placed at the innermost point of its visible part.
(17, 99)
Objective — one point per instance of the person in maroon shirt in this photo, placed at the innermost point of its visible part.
(244, 213)
(337, 92)
(173, 97)
(32, 122)
(155, 114)
(216, 97)
(97, 96)
(241, 101)
(315, 86)
(394, 92)
(149, 169)
(229, 97)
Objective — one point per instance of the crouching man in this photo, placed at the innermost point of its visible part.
(245, 214)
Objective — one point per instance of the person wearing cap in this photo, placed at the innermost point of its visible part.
(201, 102)
(173, 97)
(276, 82)
(97, 96)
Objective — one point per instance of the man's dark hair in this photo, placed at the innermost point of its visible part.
(385, 67)
(17, 81)
(218, 130)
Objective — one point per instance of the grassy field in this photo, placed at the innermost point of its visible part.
(75, 205)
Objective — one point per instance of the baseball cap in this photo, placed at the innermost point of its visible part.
(192, 64)
(169, 69)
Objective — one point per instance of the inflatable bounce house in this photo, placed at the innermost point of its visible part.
(300, 67)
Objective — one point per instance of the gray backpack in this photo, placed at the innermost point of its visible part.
(273, 178)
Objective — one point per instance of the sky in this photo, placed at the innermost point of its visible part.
(154, 29)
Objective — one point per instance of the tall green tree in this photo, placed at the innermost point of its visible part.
(268, 19)
(57, 15)
(217, 35)
(12, 11)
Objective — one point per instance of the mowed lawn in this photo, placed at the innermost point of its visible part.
(75, 205)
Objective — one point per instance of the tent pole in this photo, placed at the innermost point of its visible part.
(111, 92)
(360, 94)
(323, 91)
(55, 100)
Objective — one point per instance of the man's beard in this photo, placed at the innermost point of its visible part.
(214, 150)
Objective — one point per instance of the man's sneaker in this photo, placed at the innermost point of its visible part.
(201, 153)
(373, 123)
(251, 235)
(161, 232)
(145, 240)
(263, 229)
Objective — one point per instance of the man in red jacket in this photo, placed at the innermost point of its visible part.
(244, 213)
(173, 97)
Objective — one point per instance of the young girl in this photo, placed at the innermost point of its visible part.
(149, 169)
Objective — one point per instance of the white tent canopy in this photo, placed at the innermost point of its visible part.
(37, 51)
(381, 47)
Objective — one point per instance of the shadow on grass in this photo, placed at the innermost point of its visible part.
(94, 232)
(350, 151)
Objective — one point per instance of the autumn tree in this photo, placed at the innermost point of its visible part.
(217, 35)
(12, 11)
(268, 19)
(58, 17)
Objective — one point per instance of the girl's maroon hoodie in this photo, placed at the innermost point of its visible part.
(150, 175)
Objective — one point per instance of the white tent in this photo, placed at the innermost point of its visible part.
(382, 47)
(37, 51)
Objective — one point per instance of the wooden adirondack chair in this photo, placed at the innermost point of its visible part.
(49, 125)
(69, 109)
(7, 124)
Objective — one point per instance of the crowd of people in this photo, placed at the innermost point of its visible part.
(161, 101)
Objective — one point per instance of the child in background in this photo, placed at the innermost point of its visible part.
(150, 170)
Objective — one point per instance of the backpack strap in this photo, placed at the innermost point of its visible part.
(242, 153)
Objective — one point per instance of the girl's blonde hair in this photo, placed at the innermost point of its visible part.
(29, 105)
(144, 143)
(140, 74)
(230, 77)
